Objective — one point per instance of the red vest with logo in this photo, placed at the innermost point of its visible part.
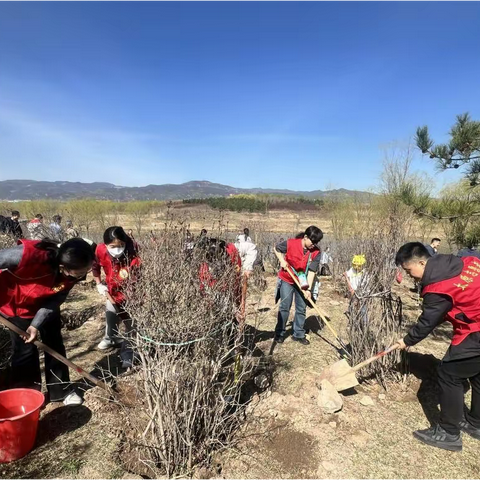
(24, 290)
(296, 258)
(464, 291)
(117, 271)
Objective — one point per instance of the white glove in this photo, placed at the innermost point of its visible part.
(102, 289)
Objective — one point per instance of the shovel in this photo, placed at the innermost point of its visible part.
(342, 376)
(59, 357)
(319, 313)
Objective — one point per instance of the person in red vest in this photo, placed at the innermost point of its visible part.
(450, 287)
(302, 254)
(118, 257)
(214, 267)
(35, 279)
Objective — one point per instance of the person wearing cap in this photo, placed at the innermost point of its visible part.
(302, 256)
(355, 274)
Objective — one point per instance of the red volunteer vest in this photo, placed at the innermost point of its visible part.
(207, 279)
(117, 271)
(296, 258)
(464, 291)
(24, 290)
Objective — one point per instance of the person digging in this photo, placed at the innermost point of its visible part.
(450, 288)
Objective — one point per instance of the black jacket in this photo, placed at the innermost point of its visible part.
(436, 306)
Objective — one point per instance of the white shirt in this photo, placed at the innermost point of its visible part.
(248, 254)
(354, 278)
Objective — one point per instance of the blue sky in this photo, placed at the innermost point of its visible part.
(278, 95)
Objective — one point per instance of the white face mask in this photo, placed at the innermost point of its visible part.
(115, 251)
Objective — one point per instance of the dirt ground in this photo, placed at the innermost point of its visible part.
(287, 434)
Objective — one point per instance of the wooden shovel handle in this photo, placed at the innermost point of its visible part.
(317, 310)
(56, 355)
(375, 357)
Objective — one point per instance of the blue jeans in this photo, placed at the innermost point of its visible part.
(287, 292)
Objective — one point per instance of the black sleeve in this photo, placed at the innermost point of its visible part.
(315, 263)
(50, 306)
(281, 247)
(10, 257)
(435, 307)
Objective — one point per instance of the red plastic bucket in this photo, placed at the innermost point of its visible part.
(19, 412)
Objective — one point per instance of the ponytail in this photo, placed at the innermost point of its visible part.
(74, 254)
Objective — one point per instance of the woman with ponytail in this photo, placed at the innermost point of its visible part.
(118, 257)
(35, 279)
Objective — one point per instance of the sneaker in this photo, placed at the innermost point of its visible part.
(279, 339)
(468, 428)
(107, 343)
(437, 437)
(303, 340)
(73, 399)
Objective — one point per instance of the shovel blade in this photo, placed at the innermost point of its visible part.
(340, 375)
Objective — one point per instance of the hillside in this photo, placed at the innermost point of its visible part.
(35, 190)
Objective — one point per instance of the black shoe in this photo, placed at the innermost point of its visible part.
(303, 340)
(438, 437)
(279, 339)
(468, 428)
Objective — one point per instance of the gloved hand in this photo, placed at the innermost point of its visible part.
(102, 289)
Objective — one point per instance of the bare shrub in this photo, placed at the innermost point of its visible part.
(194, 363)
(375, 318)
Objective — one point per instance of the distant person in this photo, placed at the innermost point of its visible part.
(70, 232)
(302, 256)
(355, 274)
(189, 243)
(16, 228)
(35, 228)
(470, 250)
(202, 239)
(248, 254)
(325, 259)
(56, 227)
(246, 235)
(433, 247)
(11, 225)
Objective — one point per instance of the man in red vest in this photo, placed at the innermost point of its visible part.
(450, 287)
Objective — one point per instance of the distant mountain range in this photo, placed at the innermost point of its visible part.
(33, 190)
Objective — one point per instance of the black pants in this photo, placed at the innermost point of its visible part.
(451, 379)
(25, 363)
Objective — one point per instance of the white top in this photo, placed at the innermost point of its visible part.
(241, 239)
(248, 254)
(354, 278)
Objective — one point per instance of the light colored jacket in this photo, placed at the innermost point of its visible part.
(248, 254)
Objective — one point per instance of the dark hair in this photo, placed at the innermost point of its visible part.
(116, 232)
(203, 232)
(57, 218)
(409, 251)
(435, 240)
(39, 216)
(214, 249)
(246, 231)
(74, 254)
(313, 233)
(15, 213)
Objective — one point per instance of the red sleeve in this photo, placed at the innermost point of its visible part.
(97, 267)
